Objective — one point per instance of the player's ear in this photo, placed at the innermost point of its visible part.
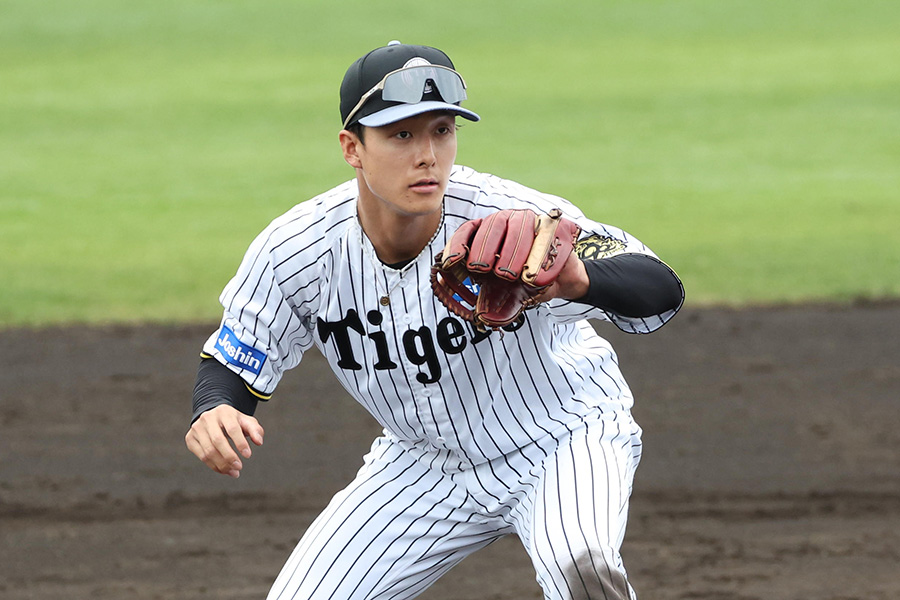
(351, 145)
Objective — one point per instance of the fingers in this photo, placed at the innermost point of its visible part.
(253, 429)
(458, 246)
(553, 245)
(211, 452)
(239, 431)
(218, 436)
(517, 244)
(486, 242)
(502, 243)
(235, 433)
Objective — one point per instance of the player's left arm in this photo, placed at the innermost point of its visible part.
(630, 285)
(613, 271)
(517, 259)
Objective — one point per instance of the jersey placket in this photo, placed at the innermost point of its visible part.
(405, 303)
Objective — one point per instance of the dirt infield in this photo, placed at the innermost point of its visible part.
(771, 466)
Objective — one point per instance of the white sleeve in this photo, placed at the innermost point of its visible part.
(263, 332)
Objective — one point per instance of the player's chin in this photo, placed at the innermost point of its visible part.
(424, 201)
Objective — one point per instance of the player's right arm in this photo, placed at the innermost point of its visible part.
(223, 419)
(267, 325)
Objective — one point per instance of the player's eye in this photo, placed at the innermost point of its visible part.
(403, 135)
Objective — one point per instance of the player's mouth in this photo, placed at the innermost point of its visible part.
(425, 186)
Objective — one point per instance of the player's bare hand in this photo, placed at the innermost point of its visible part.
(572, 282)
(219, 438)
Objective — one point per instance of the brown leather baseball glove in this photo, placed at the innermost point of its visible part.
(508, 260)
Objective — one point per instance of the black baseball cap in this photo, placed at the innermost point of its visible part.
(422, 79)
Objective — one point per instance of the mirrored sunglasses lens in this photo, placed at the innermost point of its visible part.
(409, 85)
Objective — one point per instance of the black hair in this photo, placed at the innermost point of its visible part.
(357, 129)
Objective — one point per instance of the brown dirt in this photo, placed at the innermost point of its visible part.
(771, 466)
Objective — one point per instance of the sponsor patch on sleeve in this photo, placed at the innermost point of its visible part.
(597, 246)
(239, 354)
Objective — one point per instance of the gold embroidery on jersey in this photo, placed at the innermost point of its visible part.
(597, 246)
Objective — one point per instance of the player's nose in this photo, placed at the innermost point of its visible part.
(425, 153)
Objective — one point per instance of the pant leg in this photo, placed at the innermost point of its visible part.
(575, 524)
(391, 533)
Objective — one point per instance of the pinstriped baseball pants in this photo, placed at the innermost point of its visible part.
(411, 514)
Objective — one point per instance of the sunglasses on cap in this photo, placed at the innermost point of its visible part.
(408, 86)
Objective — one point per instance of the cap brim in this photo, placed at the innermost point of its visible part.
(392, 114)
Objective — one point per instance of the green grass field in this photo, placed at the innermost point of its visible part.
(755, 145)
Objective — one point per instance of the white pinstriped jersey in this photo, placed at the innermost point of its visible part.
(312, 278)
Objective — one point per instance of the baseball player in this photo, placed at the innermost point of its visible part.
(522, 429)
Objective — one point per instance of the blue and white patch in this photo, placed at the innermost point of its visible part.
(238, 353)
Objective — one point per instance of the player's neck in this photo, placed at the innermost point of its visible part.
(395, 237)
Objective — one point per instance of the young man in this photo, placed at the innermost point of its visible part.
(525, 431)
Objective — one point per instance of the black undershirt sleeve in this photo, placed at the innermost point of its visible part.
(217, 384)
(632, 285)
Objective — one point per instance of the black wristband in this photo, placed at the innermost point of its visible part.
(217, 384)
(632, 285)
